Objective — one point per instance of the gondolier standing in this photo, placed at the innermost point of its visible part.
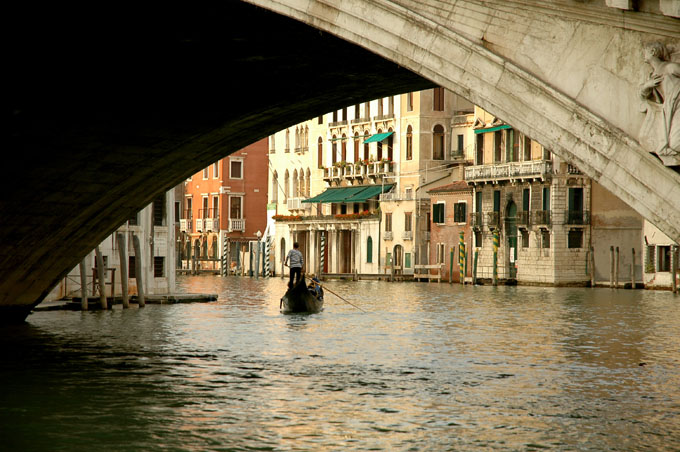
(296, 264)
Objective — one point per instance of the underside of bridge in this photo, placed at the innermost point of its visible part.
(109, 107)
(107, 112)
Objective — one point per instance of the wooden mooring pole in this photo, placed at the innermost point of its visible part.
(83, 286)
(632, 271)
(122, 247)
(139, 271)
(611, 267)
(101, 278)
(616, 268)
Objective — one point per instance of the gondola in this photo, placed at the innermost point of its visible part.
(300, 299)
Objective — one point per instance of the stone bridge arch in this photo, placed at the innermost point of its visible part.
(107, 111)
(564, 73)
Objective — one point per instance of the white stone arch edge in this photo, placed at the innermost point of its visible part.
(453, 61)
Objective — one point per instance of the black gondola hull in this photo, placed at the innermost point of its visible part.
(300, 299)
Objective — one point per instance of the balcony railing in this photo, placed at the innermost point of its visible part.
(541, 218)
(212, 224)
(523, 218)
(186, 225)
(476, 220)
(237, 224)
(407, 235)
(388, 235)
(576, 217)
(297, 204)
(513, 170)
(493, 220)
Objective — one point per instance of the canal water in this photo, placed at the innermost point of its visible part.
(426, 367)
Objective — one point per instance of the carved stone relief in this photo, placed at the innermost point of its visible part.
(660, 93)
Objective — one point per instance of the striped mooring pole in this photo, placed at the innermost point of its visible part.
(461, 257)
(322, 252)
(496, 242)
(267, 251)
(224, 271)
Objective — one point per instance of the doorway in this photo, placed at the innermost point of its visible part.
(511, 234)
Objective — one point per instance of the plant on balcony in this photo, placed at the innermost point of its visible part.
(287, 217)
(353, 216)
(341, 164)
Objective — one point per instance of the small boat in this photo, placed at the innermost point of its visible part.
(300, 299)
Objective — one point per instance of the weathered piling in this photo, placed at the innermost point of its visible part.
(83, 286)
(611, 267)
(496, 242)
(474, 268)
(592, 267)
(632, 270)
(122, 247)
(616, 268)
(139, 271)
(101, 278)
(674, 268)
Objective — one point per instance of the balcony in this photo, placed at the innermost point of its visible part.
(524, 218)
(186, 225)
(541, 218)
(200, 225)
(237, 225)
(388, 235)
(493, 220)
(576, 217)
(537, 169)
(212, 224)
(407, 235)
(297, 204)
(476, 220)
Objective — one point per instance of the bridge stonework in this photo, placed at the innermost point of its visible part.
(106, 115)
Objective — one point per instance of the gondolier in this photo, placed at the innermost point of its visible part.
(295, 261)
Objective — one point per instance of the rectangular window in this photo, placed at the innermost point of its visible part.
(408, 221)
(206, 171)
(546, 198)
(388, 222)
(663, 263)
(235, 207)
(438, 213)
(545, 238)
(526, 196)
(496, 200)
(527, 148)
(131, 266)
(321, 120)
(525, 238)
(438, 104)
(216, 170)
(409, 101)
(478, 238)
(575, 239)
(236, 169)
(460, 212)
(498, 146)
(460, 143)
(478, 201)
(441, 251)
(159, 267)
(159, 210)
(177, 208)
(479, 149)
(407, 260)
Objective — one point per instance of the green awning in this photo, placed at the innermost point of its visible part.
(378, 137)
(349, 194)
(370, 192)
(493, 129)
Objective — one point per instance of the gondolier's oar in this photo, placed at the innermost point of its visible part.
(326, 288)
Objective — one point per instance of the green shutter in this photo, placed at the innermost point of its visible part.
(369, 250)
(407, 260)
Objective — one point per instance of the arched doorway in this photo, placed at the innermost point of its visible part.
(511, 234)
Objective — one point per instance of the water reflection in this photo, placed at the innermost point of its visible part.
(428, 366)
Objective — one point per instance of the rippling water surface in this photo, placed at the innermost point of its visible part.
(427, 367)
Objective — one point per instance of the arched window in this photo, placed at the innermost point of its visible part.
(287, 141)
(297, 138)
(319, 152)
(301, 185)
(286, 186)
(390, 145)
(369, 250)
(334, 149)
(438, 143)
(380, 147)
(295, 184)
(344, 147)
(366, 145)
(275, 187)
(409, 143)
(356, 147)
(308, 183)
